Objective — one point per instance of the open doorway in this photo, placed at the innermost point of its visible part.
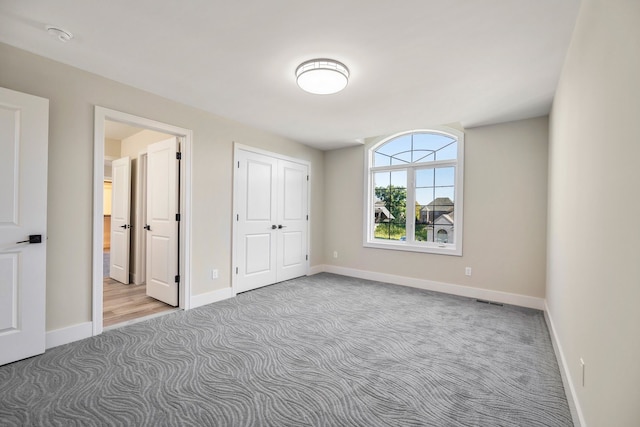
(128, 149)
(126, 296)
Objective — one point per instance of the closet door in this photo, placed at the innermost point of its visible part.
(256, 178)
(270, 220)
(292, 220)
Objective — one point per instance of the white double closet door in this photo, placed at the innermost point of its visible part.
(271, 219)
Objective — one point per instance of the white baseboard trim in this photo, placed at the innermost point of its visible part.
(316, 269)
(211, 297)
(569, 388)
(447, 288)
(69, 334)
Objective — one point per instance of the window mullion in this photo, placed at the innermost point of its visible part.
(411, 205)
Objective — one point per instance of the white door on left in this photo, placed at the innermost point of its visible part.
(24, 133)
(120, 220)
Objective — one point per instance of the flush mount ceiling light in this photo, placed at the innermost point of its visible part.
(62, 35)
(322, 76)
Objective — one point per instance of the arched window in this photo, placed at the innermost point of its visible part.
(414, 187)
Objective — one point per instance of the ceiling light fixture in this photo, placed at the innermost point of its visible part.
(322, 76)
(62, 35)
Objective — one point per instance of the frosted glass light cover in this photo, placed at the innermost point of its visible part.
(322, 76)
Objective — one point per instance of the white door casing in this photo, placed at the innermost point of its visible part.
(271, 224)
(162, 208)
(120, 220)
(24, 132)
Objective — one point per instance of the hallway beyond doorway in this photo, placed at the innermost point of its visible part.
(122, 303)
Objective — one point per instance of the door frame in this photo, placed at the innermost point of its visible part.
(234, 232)
(186, 140)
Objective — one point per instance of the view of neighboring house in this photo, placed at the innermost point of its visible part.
(438, 218)
(381, 212)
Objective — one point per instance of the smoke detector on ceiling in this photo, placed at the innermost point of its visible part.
(62, 35)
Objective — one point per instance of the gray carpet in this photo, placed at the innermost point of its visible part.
(324, 350)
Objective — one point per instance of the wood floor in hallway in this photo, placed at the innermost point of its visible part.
(127, 302)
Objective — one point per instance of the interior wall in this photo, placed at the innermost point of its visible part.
(112, 147)
(593, 284)
(137, 143)
(73, 95)
(505, 205)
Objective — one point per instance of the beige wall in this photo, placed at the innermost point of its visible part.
(135, 144)
(73, 95)
(112, 147)
(593, 284)
(505, 205)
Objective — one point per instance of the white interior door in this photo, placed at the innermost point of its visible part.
(24, 132)
(256, 220)
(162, 221)
(120, 220)
(292, 220)
(271, 220)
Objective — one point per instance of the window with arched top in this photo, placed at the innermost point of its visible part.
(414, 191)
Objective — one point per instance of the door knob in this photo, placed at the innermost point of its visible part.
(147, 227)
(273, 227)
(125, 226)
(282, 226)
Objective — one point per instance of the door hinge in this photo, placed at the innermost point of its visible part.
(307, 217)
(237, 217)
(236, 270)
(178, 156)
(177, 278)
(177, 217)
(307, 177)
(307, 257)
(238, 164)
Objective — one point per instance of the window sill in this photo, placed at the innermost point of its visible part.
(451, 250)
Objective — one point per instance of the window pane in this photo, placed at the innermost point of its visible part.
(381, 159)
(402, 158)
(423, 156)
(390, 205)
(424, 178)
(430, 141)
(424, 196)
(445, 176)
(382, 179)
(448, 152)
(446, 194)
(396, 145)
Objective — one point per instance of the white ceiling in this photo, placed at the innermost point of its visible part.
(413, 63)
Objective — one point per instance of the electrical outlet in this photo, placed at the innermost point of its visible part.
(335, 254)
(582, 367)
(214, 273)
(467, 271)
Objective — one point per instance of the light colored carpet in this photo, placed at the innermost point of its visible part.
(324, 350)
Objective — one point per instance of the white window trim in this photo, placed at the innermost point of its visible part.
(427, 247)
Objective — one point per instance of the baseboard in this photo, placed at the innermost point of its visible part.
(211, 297)
(69, 334)
(447, 288)
(316, 269)
(569, 388)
